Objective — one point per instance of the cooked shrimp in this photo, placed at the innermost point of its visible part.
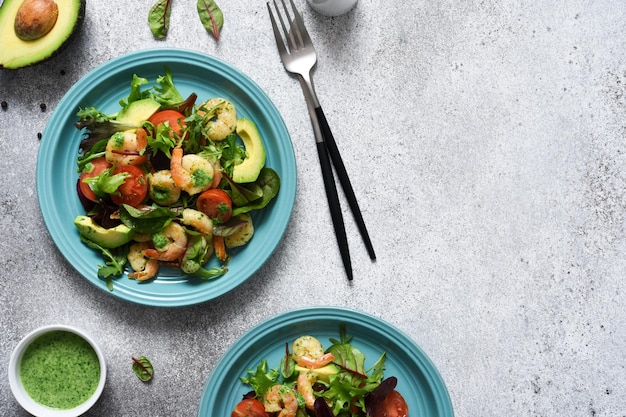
(170, 243)
(191, 173)
(309, 353)
(144, 267)
(127, 148)
(221, 117)
(305, 387)
(198, 220)
(282, 400)
(163, 190)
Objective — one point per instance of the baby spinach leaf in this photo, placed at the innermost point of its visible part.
(143, 368)
(159, 18)
(149, 220)
(211, 17)
(243, 194)
(269, 183)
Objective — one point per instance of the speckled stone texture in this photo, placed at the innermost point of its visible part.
(485, 142)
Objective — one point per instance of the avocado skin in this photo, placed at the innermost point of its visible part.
(7, 17)
(107, 238)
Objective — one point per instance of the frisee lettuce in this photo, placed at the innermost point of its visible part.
(345, 391)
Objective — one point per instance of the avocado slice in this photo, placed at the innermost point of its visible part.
(107, 238)
(249, 169)
(323, 373)
(17, 53)
(138, 111)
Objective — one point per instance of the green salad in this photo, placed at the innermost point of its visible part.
(313, 381)
(169, 181)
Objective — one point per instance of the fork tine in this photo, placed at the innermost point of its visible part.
(298, 23)
(303, 34)
(293, 46)
(282, 50)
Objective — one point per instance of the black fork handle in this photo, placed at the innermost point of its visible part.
(331, 145)
(335, 207)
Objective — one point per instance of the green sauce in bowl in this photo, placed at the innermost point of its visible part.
(60, 370)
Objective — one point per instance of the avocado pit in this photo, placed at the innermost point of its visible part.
(35, 18)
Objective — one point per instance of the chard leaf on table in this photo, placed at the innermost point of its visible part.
(211, 17)
(143, 368)
(159, 18)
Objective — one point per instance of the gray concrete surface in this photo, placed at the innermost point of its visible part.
(486, 143)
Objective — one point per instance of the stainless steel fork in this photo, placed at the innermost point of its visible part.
(299, 57)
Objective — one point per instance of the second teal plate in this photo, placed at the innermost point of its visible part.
(418, 380)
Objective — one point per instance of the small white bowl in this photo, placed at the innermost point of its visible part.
(18, 389)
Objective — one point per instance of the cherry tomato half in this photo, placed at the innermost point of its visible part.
(249, 407)
(134, 189)
(393, 405)
(99, 165)
(176, 120)
(216, 204)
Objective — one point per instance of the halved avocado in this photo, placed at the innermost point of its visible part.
(17, 53)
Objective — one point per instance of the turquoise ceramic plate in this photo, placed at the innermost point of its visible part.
(418, 379)
(103, 88)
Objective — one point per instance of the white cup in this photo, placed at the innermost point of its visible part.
(332, 7)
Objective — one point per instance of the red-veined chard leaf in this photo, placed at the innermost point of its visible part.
(322, 409)
(159, 18)
(211, 17)
(379, 394)
(143, 368)
(287, 364)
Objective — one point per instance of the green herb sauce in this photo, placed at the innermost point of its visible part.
(60, 370)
